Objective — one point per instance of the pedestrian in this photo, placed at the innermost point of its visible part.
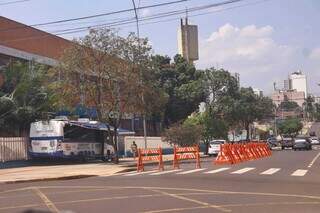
(134, 149)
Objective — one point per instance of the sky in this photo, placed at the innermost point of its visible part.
(262, 40)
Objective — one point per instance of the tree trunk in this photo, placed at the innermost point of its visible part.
(247, 126)
(103, 141)
(115, 135)
(207, 147)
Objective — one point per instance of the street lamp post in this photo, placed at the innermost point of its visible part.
(138, 34)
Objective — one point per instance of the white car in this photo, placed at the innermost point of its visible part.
(315, 141)
(214, 147)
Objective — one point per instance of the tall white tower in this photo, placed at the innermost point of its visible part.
(298, 81)
(188, 41)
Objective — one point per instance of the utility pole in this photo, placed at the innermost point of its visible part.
(138, 35)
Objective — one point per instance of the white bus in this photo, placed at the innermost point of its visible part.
(81, 139)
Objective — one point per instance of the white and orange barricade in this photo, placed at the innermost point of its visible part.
(149, 155)
(225, 155)
(184, 153)
(236, 153)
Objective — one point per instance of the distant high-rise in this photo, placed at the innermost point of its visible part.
(188, 41)
(286, 84)
(298, 82)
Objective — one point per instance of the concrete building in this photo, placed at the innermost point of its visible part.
(188, 41)
(291, 95)
(22, 42)
(19, 41)
(298, 82)
(258, 92)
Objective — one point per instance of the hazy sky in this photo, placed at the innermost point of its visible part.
(264, 41)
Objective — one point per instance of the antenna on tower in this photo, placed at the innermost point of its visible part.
(187, 15)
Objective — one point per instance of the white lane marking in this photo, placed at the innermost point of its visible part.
(140, 173)
(299, 172)
(190, 171)
(244, 170)
(216, 171)
(166, 172)
(270, 171)
(314, 160)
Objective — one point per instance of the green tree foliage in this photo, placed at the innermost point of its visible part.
(249, 107)
(183, 86)
(287, 105)
(25, 97)
(290, 126)
(317, 112)
(213, 126)
(309, 107)
(183, 134)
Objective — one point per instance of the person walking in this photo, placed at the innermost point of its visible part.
(134, 149)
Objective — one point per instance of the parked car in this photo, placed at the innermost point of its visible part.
(214, 147)
(287, 142)
(315, 141)
(302, 143)
(272, 142)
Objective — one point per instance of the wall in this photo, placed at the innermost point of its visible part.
(12, 149)
(152, 142)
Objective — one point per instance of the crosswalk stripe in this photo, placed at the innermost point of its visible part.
(166, 172)
(299, 172)
(191, 171)
(216, 171)
(270, 171)
(140, 173)
(244, 170)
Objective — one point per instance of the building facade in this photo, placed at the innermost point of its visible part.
(298, 82)
(188, 41)
(291, 95)
(20, 41)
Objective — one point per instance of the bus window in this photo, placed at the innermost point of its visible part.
(76, 133)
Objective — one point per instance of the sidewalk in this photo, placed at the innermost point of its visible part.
(37, 173)
(70, 171)
(40, 172)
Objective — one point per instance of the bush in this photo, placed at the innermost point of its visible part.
(183, 135)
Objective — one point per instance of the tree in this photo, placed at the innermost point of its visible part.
(290, 126)
(219, 85)
(213, 127)
(183, 85)
(183, 134)
(104, 71)
(287, 105)
(25, 97)
(309, 107)
(249, 107)
(317, 111)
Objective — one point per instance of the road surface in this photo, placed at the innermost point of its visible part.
(288, 181)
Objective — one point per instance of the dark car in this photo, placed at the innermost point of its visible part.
(302, 144)
(272, 142)
(287, 142)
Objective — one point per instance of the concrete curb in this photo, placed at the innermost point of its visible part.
(71, 177)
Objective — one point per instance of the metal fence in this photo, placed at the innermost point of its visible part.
(12, 149)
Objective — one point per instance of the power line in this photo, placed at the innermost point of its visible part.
(132, 20)
(13, 2)
(94, 16)
(151, 17)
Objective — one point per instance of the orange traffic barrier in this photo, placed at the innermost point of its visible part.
(184, 153)
(225, 155)
(236, 153)
(149, 155)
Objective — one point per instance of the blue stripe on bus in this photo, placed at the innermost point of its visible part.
(47, 138)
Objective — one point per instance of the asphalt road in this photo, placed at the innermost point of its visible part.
(289, 181)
